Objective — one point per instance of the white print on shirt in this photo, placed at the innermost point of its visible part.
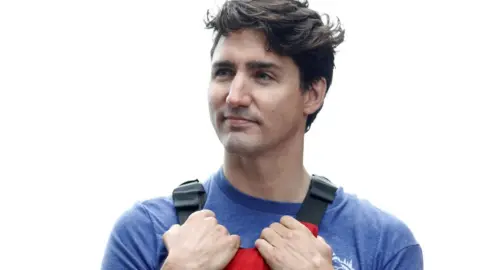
(342, 264)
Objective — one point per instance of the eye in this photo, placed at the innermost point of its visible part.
(223, 72)
(263, 76)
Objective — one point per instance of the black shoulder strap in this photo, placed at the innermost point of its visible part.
(188, 197)
(320, 195)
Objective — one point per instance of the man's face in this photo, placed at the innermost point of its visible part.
(254, 96)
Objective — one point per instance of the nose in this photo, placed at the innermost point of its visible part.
(238, 94)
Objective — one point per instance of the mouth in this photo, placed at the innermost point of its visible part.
(238, 121)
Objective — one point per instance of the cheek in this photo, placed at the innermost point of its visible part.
(287, 114)
(214, 97)
(280, 110)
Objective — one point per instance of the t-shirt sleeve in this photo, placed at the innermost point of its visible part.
(131, 245)
(409, 258)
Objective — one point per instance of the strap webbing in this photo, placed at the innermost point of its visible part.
(188, 198)
(321, 193)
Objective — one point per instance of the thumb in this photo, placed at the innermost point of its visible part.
(236, 240)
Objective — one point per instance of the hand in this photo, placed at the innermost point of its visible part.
(200, 243)
(291, 245)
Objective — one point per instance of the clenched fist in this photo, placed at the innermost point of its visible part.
(200, 243)
(290, 245)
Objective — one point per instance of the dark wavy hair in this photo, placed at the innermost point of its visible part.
(291, 29)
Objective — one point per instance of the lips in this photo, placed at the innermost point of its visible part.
(232, 118)
(238, 121)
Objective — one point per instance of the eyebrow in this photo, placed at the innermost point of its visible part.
(223, 64)
(250, 65)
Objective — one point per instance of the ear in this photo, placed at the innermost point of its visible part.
(314, 97)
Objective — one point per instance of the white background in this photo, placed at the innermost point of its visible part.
(103, 103)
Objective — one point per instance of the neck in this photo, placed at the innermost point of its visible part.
(278, 175)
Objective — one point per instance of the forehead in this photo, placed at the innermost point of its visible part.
(243, 46)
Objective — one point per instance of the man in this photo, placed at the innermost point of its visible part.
(272, 64)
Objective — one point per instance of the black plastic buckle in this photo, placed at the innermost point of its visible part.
(189, 195)
(322, 189)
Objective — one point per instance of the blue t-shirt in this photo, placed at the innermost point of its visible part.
(361, 235)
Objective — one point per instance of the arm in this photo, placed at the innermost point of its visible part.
(132, 243)
(408, 258)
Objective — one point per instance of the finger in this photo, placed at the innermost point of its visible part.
(235, 240)
(222, 229)
(204, 213)
(233, 245)
(207, 213)
(210, 221)
(324, 248)
(272, 237)
(174, 229)
(281, 230)
(200, 215)
(292, 223)
(231, 241)
(320, 240)
(265, 249)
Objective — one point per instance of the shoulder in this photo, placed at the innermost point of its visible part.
(160, 212)
(380, 220)
(389, 237)
(374, 216)
(156, 214)
(135, 241)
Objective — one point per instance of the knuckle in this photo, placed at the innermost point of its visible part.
(194, 215)
(274, 225)
(265, 231)
(316, 262)
(234, 240)
(284, 219)
(328, 250)
(170, 231)
(296, 234)
(221, 229)
(211, 221)
(202, 213)
(207, 212)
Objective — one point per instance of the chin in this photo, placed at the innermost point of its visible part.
(240, 147)
(238, 150)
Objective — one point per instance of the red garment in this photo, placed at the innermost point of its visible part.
(250, 258)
